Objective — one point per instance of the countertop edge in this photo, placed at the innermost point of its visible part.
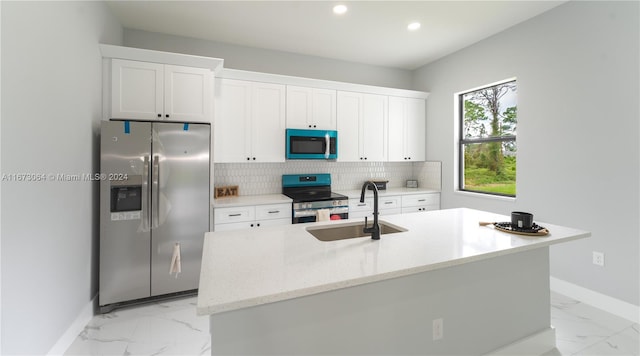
(246, 200)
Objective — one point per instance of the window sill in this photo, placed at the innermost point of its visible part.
(486, 196)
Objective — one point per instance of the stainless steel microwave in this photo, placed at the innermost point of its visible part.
(312, 144)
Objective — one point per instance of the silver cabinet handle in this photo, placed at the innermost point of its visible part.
(388, 202)
(230, 215)
(422, 199)
(362, 204)
(274, 211)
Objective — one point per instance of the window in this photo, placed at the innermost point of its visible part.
(488, 121)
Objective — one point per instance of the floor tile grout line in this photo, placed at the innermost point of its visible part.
(603, 340)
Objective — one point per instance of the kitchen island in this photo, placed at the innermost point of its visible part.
(444, 286)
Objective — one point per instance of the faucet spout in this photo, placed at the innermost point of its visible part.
(375, 228)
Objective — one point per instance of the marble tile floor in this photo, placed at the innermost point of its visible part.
(173, 328)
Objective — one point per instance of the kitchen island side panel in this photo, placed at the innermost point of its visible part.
(484, 305)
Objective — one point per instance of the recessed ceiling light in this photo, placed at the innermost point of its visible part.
(339, 9)
(413, 26)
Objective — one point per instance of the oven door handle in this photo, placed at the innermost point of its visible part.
(339, 210)
(314, 212)
(304, 213)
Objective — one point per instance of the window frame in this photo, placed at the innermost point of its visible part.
(462, 141)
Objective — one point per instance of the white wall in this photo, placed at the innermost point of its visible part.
(577, 69)
(51, 96)
(275, 62)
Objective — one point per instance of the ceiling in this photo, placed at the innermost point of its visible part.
(371, 32)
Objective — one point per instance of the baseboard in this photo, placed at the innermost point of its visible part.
(74, 329)
(601, 301)
(536, 344)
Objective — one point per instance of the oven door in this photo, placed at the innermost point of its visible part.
(311, 215)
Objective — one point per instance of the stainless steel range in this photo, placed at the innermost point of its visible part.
(313, 198)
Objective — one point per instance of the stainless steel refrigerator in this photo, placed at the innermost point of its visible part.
(154, 209)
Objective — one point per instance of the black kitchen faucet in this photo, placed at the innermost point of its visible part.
(375, 228)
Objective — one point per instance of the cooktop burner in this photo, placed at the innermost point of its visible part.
(302, 197)
(309, 187)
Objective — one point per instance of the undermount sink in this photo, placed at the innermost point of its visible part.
(349, 230)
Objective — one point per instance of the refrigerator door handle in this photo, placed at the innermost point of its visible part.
(155, 191)
(146, 198)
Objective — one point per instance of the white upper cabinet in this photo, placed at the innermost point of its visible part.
(187, 93)
(311, 108)
(406, 129)
(362, 119)
(249, 122)
(152, 91)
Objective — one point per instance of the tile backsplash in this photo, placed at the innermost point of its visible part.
(266, 178)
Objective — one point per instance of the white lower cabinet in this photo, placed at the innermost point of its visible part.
(420, 202)
(394, 204)
(251, 216)
(388, 205)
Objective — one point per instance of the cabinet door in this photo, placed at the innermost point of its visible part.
(298, 112)
(187, 94)
(136, 90)
(349, 113)
(323, 111)
(310, 108)
(233, 226)
(396, 129)
(372, 132)
(361, 126)
(415, 129)
(268, 123)
(232, 121)
(406, 129)
(273, 222)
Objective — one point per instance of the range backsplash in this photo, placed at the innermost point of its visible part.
(266, 178)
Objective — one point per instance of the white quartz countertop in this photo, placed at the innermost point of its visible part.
(245, 200)
(245, 268)
(353, 194)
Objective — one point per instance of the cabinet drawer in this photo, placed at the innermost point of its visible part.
(275, 211)
(389, 203)
(355, 205)
(233, 215)
(420, 200)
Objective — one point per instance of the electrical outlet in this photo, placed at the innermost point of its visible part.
(438, 329)
(598, 258)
